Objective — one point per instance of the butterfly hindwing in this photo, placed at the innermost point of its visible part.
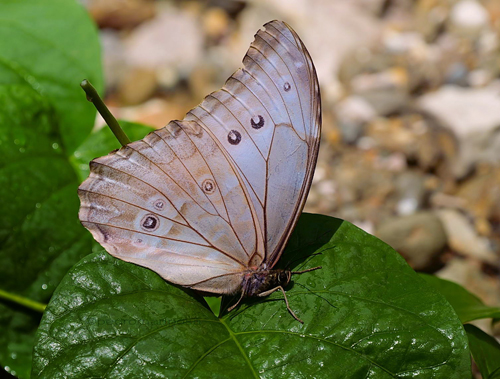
(173, 203)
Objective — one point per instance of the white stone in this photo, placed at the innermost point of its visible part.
(407, 206)
(465, 110)
(469, 14)
(473, 115)
(463, 238)
(174, 39)
(355, 109)
(112, 56)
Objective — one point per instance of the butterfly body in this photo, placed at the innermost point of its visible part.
(210, 201)
(259, 281)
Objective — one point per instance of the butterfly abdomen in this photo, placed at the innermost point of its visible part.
(256, 282)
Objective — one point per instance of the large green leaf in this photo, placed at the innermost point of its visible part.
(51, 45)
(468, 306)
(486, 352)
(47, 48)
(366, 314)
(40, 237)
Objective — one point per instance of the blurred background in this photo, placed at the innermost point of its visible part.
(411, 107)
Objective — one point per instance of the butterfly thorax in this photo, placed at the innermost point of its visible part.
(262, 280)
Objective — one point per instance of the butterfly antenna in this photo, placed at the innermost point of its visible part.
(309, 269)
(296, 259)
(103, 110)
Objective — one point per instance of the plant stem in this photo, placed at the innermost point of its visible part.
(94, 97)
(25, 302)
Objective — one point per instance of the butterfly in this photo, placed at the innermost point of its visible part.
(209, 202)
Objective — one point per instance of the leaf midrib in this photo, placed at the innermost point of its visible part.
(240, 348)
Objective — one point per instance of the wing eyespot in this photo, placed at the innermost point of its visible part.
(234, 137)
(208, 186)
(150, 223)
(257, 122)
(287, 86)
(159, 205)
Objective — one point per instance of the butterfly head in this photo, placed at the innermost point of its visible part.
(284, 277)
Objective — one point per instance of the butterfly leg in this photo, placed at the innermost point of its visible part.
(267, 293)
(239, 300)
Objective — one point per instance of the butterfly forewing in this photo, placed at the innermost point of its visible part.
(273, 105)
(205, 200)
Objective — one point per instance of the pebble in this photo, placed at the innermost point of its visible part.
(411, 191)
(481, 193)
(137, 86)
(352, 115)
(469, 15)
(473, 115)
(157, 44)
(463, 239)
(121, 14)
(420, 238)
(386, 91)
(430, 17)
(469, 274)
(113, 56)
(215, 22)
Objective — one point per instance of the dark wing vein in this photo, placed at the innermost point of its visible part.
(187, 222)
(277, 88)
(166, 174)
(187, 171)
(191, 175)
(137, 206)
(146, 234)
(237, 172)
(223, 202)
(230, 158)
(163, 237)
(288, 68)
(214, 277)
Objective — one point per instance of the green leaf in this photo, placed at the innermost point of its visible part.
(214, 303)
(485, 351)
(40, 237)
(102, 142)
(47, 48)
(468, 306)
(51, 46)
(366, 314)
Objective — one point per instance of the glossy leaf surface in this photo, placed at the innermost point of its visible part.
(366, 314)
(485, 350)
(40, 237)
(51, 45)
(468, 306)
(47, 48)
